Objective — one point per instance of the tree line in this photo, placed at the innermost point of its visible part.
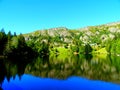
(12, 45)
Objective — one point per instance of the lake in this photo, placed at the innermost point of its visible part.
(72, 72)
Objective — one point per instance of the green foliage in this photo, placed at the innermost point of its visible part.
(74, 48)
(17, 47)
(88, 49)
(66, 46)
(43, 49)
(116, 46)
(9, 35)
(81, 49)
(108, 45)
(113, 46)
(15, 42)
(40, 47)
(3, 41)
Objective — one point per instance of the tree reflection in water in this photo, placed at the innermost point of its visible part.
(1, 88)
(92, 67)
(98, 68)
(11, 68)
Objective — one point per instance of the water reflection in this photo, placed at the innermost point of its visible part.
(104, 68)
(95, 67)
(10, 68)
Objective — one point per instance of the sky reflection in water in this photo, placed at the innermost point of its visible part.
(29, 82)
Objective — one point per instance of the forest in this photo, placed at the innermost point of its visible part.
(88, 40)
(17, 46)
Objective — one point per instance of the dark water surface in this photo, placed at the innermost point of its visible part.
(80, 72)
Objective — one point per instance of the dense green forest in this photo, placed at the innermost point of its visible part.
(45, 42)
(13, 45)
(42, 45)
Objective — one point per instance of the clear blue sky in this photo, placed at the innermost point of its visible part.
(24, 16)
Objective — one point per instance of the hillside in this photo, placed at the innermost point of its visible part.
(92, 39)
(90, 34)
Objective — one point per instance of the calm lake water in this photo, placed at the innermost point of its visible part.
(71, 72)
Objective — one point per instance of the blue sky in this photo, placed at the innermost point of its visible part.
(23, 16)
